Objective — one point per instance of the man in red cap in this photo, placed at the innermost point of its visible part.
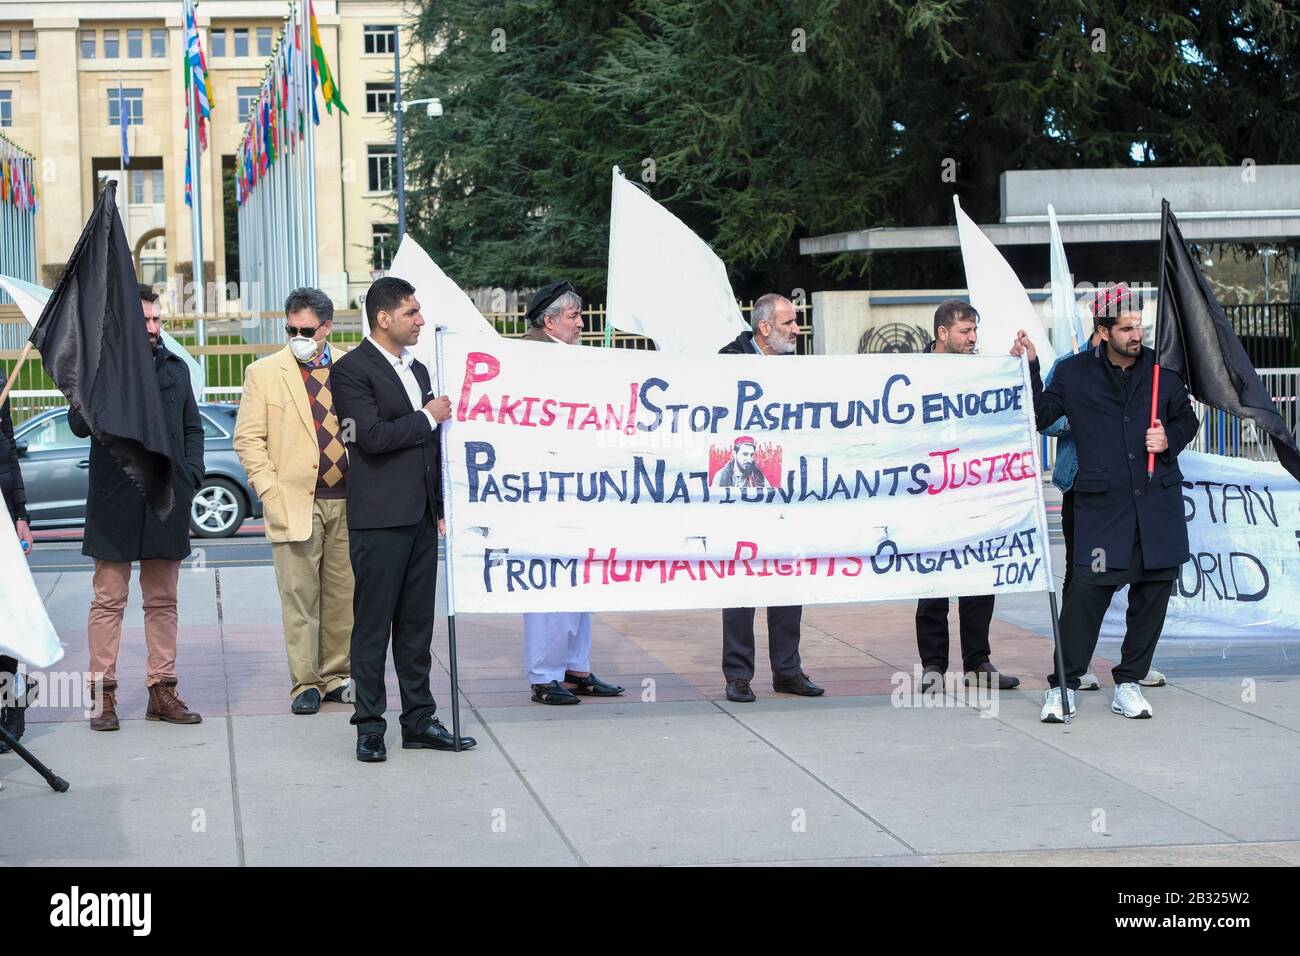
(742, 471)
(774, 330)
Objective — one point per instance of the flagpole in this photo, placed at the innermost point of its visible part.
(196, 197)
(1160, 299)
(446, 510)
(309, 141)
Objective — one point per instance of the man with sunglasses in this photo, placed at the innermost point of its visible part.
(290, 442)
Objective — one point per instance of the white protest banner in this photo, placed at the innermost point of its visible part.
(612, 479)
(1243, 578)
(25, 629)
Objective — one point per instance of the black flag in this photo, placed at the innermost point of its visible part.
(1195, 340)
(94, 345)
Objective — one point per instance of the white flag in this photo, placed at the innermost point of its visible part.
(997, 295)
(25, 629)
(664, 280)
(1066, 327)
(31, 300)
(442, 301)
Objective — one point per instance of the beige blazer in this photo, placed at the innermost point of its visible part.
(276, 442)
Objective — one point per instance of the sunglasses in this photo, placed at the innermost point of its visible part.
(309, 332)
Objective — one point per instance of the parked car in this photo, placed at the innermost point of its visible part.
(56, 465)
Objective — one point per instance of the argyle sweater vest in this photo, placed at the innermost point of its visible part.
(332, 475)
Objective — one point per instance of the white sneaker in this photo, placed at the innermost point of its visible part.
(1153, 679)
(1052, 713)
(1130, 702)
(1089, 682)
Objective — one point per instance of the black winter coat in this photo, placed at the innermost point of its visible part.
(119, 525)
(1112, 498)
(742, 344)
(11, 478)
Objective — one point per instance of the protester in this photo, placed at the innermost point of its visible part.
(289, 441)
(389, 415)
(774, 330)
(557, 644)
(1066, 466)
(15, 698)
(121, 529)
(955, 333)
(1129, 526)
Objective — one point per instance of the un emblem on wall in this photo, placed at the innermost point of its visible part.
(894, 337)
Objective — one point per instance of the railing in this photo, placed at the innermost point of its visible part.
(1269, 331)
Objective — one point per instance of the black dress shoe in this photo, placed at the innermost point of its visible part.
(799, 684)
(739, 691)
(371, 749)
(553, 693)
(436, 737)
(308, 702)
(339, 694)
(591, 686)
(986, 673)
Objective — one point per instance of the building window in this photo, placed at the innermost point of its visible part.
(147, 186)
(87, 44)
(133, 97)
(111, 45)
(263, 41)
(159, 187)
(158, 44)
(6, 108)
(379, 97)
(382, 168)
(247, 97)
(381, 246)
(137, 184)
(241, 41)
(26, 44)
(217, 41)
(378, 39)
(6, 45)
(135, 44)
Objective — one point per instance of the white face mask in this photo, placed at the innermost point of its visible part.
(304, 348)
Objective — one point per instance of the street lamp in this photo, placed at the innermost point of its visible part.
(432, 107)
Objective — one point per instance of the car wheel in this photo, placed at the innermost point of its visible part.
(218, 509)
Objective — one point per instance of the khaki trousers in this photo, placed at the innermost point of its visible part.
(315, 581)
(111, 584)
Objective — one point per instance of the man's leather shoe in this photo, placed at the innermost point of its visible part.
(371, 749)
(435, 736)
(739, 691)
(164, 704)
(308, 702)
(339, 695)
(931, 680)
(591, 686)
(985, 672)
(799, 684)
(107, 706)
(553, 693)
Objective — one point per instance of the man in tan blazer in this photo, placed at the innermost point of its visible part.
(290, 442)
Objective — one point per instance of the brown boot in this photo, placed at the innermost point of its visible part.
(165, 705)
(107, 705)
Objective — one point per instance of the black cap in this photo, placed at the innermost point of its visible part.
(544, 296)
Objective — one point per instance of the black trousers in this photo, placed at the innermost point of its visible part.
(782, 642)
(1081, 616)
(396, 572)
(1067, 529)
(975, 613)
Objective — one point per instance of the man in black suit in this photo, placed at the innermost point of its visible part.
(1128, 528)
(389, 418)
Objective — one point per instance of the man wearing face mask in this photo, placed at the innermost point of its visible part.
(774, 331)
(122, 529)
(289, 441)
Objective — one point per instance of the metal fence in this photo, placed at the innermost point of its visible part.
(1270, 331)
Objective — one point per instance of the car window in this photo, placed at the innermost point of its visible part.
(211, 429)
(52, 434)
